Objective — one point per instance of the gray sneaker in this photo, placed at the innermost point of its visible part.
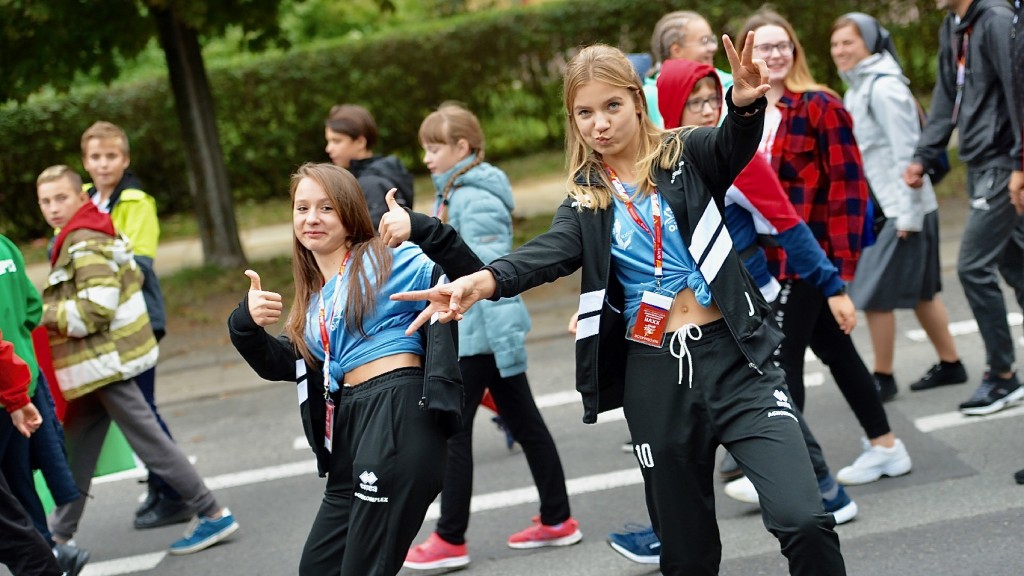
(71, 559)
(993, 395)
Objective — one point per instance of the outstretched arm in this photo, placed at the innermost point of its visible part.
(450, 301)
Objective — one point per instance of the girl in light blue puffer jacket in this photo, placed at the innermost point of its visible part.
(476, 199)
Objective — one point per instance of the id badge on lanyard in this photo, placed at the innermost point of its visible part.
(325, 337)
(651, 318)
(655, 305)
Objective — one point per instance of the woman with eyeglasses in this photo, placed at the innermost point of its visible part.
(682, 34)
(808, 138)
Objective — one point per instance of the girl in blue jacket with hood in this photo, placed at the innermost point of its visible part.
(476, 199)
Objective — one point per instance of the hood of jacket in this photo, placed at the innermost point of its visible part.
(879, 64)
(482, 176)
(675, 84)
(88, 217)
(974, 11)
(386, 166)
(128, 181)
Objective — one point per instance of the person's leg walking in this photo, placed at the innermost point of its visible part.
(675, 449)
(989, 227)
(22, 548)
(477, 374)
(126, 406)
(518, 408)
(147, 385)
(797, 320)
(86, 423)
(46, 448)
(934, 320)
(882, 326)
(397, 469)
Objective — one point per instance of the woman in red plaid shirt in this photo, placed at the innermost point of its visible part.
(808, 137)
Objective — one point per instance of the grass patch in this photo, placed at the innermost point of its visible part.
(524, 229)
(206, 295)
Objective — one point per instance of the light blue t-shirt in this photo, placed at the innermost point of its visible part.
(385, 329)
(633, 255)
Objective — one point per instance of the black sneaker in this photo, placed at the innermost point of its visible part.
(1019, 476)
(164, 513)
(71, 559)
(941, 374)
(729, 469)
(993, 395)
(886, 386)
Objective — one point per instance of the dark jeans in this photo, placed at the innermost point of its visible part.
(16, 468)
(676, 428)
(517, 408)
(46, 448)
(386, 468)
(147, 383)
(22, 549)
(806, 320)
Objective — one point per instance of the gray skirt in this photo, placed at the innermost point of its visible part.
(894, 273)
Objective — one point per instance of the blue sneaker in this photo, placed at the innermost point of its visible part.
(502, 427)
(639, 543)
(205, 532)
(842, 507)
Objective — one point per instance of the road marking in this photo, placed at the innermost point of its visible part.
(260, 475)
(964, 327)
(953, 419)
(126, 565)
(528, 495)
(300, 443)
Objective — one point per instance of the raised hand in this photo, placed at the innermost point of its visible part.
(749, 75)
(395, 226)
(447, 302)
(26, 419)
(264, 307)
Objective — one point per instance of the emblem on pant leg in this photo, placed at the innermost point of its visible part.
(367, 483)
(782, 401)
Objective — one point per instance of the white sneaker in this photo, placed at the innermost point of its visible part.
(875, 462)
(743, 490)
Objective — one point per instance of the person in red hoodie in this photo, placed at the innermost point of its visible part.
(22, 549)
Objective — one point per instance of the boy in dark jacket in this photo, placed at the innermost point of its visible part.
(974, 93)
(351, 135)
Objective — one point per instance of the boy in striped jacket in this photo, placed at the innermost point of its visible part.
(101, 338)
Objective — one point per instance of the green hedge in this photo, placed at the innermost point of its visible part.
(505, 65)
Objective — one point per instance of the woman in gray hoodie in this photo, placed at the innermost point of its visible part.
(901, 270)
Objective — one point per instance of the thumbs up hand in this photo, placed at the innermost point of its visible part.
(264, 307)
(395, 226)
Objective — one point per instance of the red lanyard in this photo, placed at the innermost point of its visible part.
(961, 73)
(325, 335)
(620, 191)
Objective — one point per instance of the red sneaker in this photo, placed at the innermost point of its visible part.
(540, 535)
(436, 553)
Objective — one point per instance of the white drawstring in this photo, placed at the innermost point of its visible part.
(693, 332)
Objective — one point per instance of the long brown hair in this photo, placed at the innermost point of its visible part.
(603, 63)
(799, 79)
(348, 201)
(447, 125)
